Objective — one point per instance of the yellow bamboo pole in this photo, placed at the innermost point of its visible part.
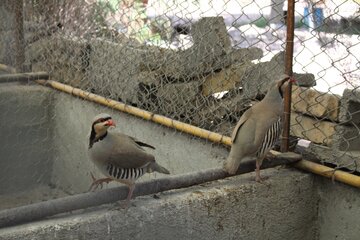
(328, 172)
(187, 128)
(315, 168)
(7, 69)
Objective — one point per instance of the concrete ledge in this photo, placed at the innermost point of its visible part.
(339, 211)
(284, 207)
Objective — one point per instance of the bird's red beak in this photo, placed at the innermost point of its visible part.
(293, 80)
(110, 122)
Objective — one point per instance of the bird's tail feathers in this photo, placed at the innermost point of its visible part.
(158, 168)
(231, 165)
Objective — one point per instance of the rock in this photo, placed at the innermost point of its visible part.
(149, 83)
(257, 78)
(148, 78)
(68, 75)
(112, 74)
(178, 100)
(237, 56)
(308, 128)
(346, 138)
(253, 78)
(221, 115)
(65, 59)
(350, 107)
(209, 33)
(315, 103)
(305, 79)
(226, 79)
(211, 52)
(264, 73)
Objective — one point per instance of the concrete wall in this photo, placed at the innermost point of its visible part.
(44, 141)
(26, 148)
(339, 211)
(235, 208)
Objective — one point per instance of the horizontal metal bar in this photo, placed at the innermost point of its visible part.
(37, 211)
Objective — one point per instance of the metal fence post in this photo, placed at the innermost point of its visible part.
(288, 71)
(19, 35)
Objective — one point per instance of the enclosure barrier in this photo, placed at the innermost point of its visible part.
(350, 179)
(45, 209)
(37, 211)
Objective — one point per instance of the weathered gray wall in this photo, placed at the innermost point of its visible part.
(178, 152)
(339, 211)
(26, 148)
(45, 136)
(235, 208)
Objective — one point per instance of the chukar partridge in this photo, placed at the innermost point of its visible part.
(118, 156)
(258, 129)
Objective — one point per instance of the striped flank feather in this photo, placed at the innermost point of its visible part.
(270, 139)
(124, 173)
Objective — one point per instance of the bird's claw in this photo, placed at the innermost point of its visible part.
(261, 180)
(96, 182)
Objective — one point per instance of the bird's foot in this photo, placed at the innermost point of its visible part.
(260, 179)
(96, 182)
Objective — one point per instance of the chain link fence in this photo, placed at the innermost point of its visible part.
(200, 62)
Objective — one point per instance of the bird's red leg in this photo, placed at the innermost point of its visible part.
(257, 172)
(131, 190)
(96, 182)
(258, 178)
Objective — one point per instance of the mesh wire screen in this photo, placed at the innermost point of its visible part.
(200, 62)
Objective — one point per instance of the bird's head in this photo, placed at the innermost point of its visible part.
(99, 127)
(101, 124)
(279, 86)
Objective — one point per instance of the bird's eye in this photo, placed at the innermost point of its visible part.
(100, 120)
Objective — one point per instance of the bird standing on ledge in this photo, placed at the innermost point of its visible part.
(118, 156)
(258, 129)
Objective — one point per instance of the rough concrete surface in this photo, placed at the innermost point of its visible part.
(25, 145)
(339, 211)
(284, 207)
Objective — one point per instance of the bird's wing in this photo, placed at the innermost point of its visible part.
(142, 144)
(127, 153)
(256, 122)
(247, 114)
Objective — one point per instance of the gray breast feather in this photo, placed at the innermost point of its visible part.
(121, 151)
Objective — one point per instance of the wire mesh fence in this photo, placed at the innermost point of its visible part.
(199, 62)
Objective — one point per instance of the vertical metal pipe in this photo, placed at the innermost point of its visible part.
(19, 35)
(288, 70)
